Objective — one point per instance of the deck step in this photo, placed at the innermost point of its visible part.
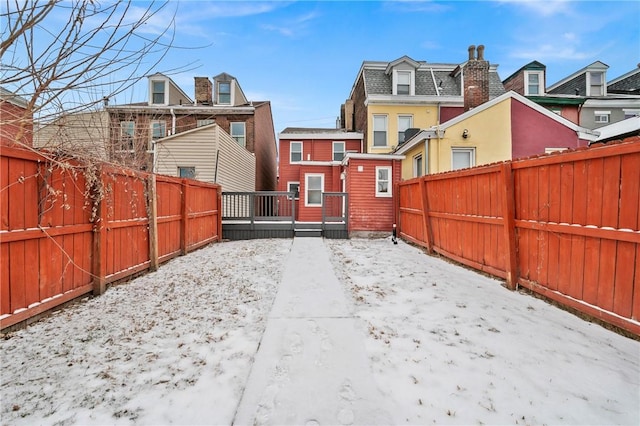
(308, 232)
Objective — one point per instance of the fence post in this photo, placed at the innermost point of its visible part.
(152, 202)
(426, 225)
(184, 217)
(99, 194)
(509, 216)
(219, 192)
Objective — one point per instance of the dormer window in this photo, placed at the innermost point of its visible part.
(403, 82)
(534, 83)
(224, 93)
(158, 94)
(595, 83)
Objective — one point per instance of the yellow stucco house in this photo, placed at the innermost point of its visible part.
(507, 127)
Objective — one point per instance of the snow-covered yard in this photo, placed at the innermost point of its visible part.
(445, 345)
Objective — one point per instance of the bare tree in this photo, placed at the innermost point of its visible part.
(68, 56)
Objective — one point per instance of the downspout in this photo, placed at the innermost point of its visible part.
(173, 122)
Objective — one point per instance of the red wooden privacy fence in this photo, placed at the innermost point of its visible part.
(565, 226)
(57, 244)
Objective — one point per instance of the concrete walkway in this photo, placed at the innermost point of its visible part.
(311, 367)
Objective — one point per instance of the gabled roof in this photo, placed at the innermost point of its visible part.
(576, 81)
(531, 66)
(186, 133)
(583, 133)
(173, 83)
(223, 76)
(403, 59)
(628, 83)
(619, 130)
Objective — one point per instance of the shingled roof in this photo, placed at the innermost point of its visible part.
(628, 83)
(431, 79)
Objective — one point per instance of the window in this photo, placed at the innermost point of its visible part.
(595, 83)
(295, 152)
(314, 187)
(417, 166)
(461, 158)
(187, 172)
(127, 129)
(338, 151)
(404, 122)
(294, 187)
(534, 83)
(602, 116)
(224, 93)
(403, 86)
(237, 133)
(206, 122)
(379, 130)
(158, 129)
(556, 110)
(630, 113)
(383, 181)
(157, 92)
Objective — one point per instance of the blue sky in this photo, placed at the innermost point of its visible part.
(304, 56)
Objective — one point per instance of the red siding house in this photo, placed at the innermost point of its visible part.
(370, 180)
(311, 163)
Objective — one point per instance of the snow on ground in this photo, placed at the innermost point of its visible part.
(445, 345)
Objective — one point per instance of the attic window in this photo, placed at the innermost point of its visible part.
(595, 83)
(157, 92)
(224, 93)
(534, 83)
(403, 82)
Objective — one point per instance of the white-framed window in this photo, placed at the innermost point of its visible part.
(205, 122)
(158, 92)
(403, 83)
(630, 113)
(534, 83)
(238, 133)
(127, 132)
(338, 150)
(602, 116)
(379, 130)
(595, 83)
(461, 158)
(295, 152)
(383, 181)
(187, 172)
(224, 93)
(404, 122)
(314, 186)
(294, 187)
(418, 168)
(158, 130)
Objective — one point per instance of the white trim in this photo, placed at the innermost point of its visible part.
(596, 66)
(410, 117)
(301, 152)
(540, 75)
(603, 83)
(470, 150)
(389, 181)
(360, 156)
(244, 132)
(159, 79)
(333, 150)
(373, 130)
(306, 188)
(416, 172)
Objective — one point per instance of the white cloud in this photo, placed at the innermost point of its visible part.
(292, 27)
(542, 7)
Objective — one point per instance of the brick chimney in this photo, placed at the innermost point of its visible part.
(476, 79)
(204, 92)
